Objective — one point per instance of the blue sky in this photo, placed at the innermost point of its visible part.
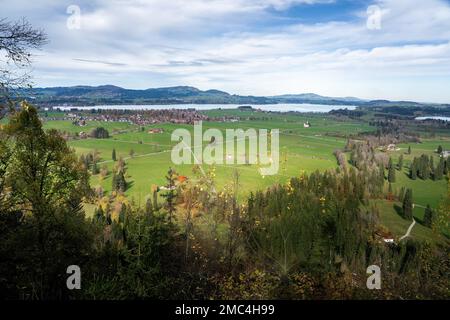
(257, 47)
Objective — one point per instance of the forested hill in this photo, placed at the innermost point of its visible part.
(109, 94)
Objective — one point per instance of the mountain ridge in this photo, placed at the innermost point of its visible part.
(111, 94)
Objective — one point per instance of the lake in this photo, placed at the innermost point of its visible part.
(434, 118)
(303, 107)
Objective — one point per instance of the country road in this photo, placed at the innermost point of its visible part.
(409, 230)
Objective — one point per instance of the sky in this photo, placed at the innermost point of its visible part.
(380, 49)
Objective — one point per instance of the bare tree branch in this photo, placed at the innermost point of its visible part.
(17, 39)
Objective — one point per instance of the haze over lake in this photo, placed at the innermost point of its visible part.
(303, 107)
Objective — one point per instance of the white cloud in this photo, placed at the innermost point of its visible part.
(226, 44)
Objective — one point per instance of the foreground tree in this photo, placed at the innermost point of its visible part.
(170, 194)
(44, 231)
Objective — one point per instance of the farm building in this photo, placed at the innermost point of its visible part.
(155, 130)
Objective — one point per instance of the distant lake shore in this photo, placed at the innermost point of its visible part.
(433, 118)
(302, 107)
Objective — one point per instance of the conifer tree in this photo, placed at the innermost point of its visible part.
(95, 169)
(148, 207)
(170, 194)
(113, 156)
(432, 168)
(428, 217)
(413, 171)
(439, 172)
(391, 172)
(400, 162)
(408, 205)
(401, 194)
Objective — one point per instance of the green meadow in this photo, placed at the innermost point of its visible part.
(302, 150)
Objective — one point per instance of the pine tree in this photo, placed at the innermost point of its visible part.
(121, 183)
(401, 194)
(428, 217)
(381, 174)
(113, 156)
(170, 194)
(400, 162)
(123, 213)
(95, 169)
(439, 172)
(408, 205)
(149, 207)
(390, 194)
(391, 172)
(155, 199)
(413, 170)
(409, 150)
(114, 182)
(99, 215)
(439, 150)
(432, 168)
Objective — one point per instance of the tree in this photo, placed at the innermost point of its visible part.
(170, 194)
(48, 184)
(401, 194)
(148, 207)
(439, 149)
(391, 171)
(441, 221)
(99, 133)
(439, 172)
(119, 183)
(408, 205)
(428, 217)
(95, 169)
(432, 168)
(381, 174)
(113, 156)
(155, 190)
(17, 40)
(390, 192)
(413, 171)
(400, 162)
(409, 149)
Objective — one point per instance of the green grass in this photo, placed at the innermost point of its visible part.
(390, 217)
(67, 126)
(301, 150)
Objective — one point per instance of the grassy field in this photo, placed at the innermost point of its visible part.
(390, 217)
(301, 150)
